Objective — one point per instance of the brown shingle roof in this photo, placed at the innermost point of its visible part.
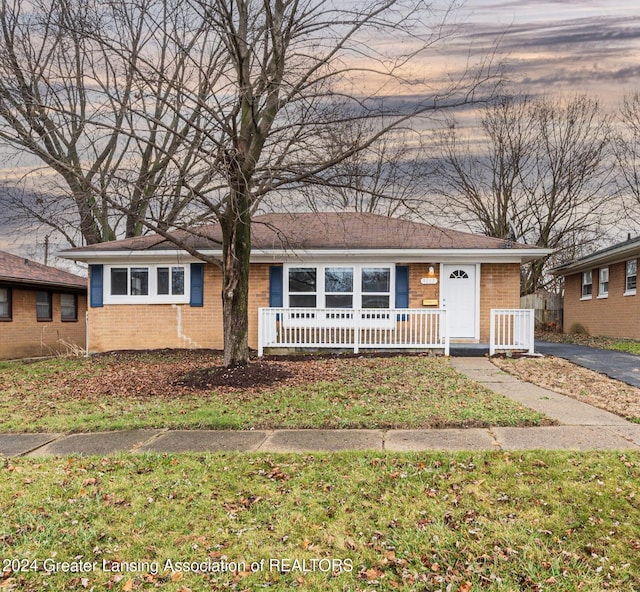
(305, 230)
(18, 270)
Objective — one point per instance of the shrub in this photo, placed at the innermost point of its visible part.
(578, 329)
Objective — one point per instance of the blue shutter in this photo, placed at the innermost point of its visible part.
(402, 286)
(197, 284)
(402, 289)
(275, 286)
(96, 285)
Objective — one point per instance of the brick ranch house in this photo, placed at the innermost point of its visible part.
(600, 291)
(42, 309)
(316, 280)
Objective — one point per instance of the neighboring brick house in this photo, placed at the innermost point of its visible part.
(42, 309)
(147, 293)
(600, 291)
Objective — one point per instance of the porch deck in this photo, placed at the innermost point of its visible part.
(400, 329)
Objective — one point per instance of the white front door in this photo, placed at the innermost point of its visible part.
(459, 297)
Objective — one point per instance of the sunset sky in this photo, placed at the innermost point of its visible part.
(552, 47)
(562, 46)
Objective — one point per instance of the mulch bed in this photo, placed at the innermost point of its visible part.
(251, 375)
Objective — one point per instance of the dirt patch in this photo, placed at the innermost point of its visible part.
(251, 375)
(182, 373)
(579, 383)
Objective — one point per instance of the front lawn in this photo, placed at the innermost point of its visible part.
(187, 390)
(495, 521)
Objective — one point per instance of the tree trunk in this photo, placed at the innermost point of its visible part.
(236, 251)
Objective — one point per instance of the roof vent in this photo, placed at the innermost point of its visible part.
(628, 236)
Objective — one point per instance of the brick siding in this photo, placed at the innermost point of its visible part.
(156, 326)
(499, 288)
(151, 326)
(24, 336)
(615, 316)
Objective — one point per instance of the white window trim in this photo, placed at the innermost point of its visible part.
(582, 285)
(627, 276)
(357, 281)
(603, 295)
(153, 297)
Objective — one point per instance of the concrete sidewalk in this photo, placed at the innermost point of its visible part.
(582, 428)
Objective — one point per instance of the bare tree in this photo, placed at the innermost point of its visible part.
(66, 100)
(387, 178)
(540, 174)
(242, 99)
(627, 149)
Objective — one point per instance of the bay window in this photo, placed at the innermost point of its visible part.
(333, 286)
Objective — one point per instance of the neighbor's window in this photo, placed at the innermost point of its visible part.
(631, 277)
(5, 304)
(587, 284)
(603, 288)
(338, 287)
(376, 287)
(303, 287)
(69, 307)
(43, 306)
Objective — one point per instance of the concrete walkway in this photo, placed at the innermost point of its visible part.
(582, 428)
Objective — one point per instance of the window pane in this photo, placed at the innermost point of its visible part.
(177, 281)
(376, 279)
(375, 301)
(119, 281)
(339, 301)
(139, 281)
(632, 270)
(43, 306)
(163, 280)
(302, 301)
(338, 279)
(4, 303)
(68, 308)
(302, 279)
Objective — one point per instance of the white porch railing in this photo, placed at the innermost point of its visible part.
(346, 328)
(511, 330)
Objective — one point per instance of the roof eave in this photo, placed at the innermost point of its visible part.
(621, 253)
(261, 255)
(15, 281)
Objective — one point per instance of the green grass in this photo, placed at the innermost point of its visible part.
(69, 395)
(435, 521)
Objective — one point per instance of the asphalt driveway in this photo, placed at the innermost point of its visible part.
(619, 365)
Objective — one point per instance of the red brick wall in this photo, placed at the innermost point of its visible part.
(615, 316)
(24, 336)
